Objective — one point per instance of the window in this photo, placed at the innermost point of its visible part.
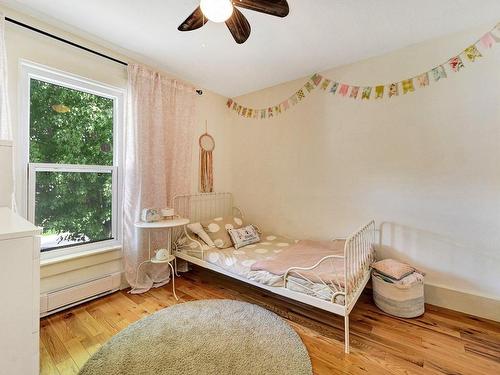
(72, 159)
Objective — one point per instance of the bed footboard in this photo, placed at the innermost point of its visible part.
(335, 277)
(359, 253)
(324, 280)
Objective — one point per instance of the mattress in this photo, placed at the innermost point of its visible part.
(239, 262)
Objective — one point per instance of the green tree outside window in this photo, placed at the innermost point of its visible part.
(69, 126)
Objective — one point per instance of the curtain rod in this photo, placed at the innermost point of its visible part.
(39, 31)
(36, 30)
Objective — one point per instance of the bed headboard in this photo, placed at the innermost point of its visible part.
(198, 207)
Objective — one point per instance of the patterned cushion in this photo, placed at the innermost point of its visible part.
(393, 269)
(243, 236)
(217, 230)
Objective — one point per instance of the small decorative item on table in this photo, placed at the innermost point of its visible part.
(167, 213)
(162, 255)
(150, 215)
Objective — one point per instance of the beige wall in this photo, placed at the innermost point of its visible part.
(425, 163)
(25, 44)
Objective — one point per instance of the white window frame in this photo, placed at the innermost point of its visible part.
(30, 70)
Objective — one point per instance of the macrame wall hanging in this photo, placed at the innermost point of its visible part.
(207, 145)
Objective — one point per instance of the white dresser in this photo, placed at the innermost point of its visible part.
(20, 294)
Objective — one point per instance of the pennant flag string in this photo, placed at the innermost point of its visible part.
(454, 64)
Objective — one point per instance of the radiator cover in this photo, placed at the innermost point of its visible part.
(52, 302)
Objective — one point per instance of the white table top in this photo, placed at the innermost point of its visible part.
(14, 226)
(171, 223)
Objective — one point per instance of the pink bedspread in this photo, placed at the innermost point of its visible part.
(307, 253)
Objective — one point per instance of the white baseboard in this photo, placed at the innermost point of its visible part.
(472, 304)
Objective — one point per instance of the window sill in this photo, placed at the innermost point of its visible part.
(50, 260)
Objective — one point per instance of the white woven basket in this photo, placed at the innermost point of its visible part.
(404, 303)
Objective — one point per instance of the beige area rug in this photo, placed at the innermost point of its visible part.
(219, 337)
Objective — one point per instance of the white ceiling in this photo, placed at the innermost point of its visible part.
(316, 35)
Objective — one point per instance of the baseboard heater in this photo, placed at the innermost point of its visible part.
(61, 299)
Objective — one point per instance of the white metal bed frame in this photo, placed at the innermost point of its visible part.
(358, 257)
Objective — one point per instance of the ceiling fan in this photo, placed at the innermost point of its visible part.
(226, 11)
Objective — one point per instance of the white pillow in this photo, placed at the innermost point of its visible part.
(197, 229)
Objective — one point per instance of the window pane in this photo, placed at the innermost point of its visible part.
(73, 207)
(69, 126)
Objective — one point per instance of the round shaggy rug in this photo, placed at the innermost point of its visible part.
(219, 337)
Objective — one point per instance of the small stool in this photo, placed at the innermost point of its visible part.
(403, 301)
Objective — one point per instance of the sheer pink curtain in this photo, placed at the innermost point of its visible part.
(5, 121)
(157, 166)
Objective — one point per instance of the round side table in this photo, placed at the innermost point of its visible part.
(167, 225)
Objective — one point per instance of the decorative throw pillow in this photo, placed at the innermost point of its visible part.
(197, 229)
(393, 269)
(217, 229)
(243, 236)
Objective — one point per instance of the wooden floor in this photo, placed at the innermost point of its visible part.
(440, 342)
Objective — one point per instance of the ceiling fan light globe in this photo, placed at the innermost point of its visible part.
(217, 10)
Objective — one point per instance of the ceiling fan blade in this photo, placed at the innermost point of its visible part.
(194, 21)
(238, 26)
(278, 8)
